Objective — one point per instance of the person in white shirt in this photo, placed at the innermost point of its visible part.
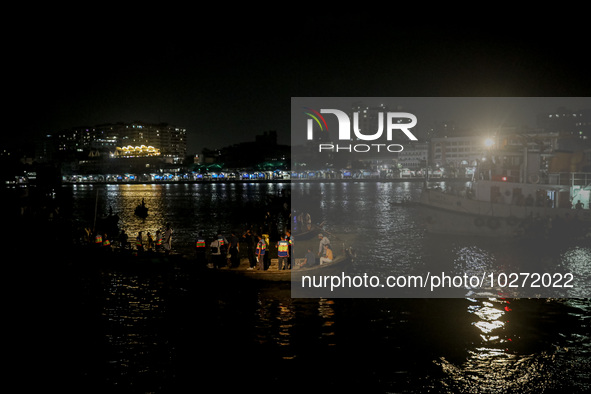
(323, 241)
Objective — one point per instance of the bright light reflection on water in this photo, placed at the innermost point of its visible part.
(509, 359)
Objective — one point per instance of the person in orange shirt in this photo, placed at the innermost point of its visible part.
(327, 257)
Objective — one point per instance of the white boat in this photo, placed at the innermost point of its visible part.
(503, 208)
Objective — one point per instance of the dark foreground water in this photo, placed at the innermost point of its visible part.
(161, 329)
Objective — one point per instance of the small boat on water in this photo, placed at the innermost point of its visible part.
(502, 207)
(305, 234)
(141, 210)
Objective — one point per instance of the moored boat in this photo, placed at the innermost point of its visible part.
(505, 208)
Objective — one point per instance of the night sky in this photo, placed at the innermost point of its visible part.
(228, 79)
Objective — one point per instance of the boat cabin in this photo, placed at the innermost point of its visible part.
(530, 194)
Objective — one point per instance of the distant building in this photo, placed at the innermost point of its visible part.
(414, 156)
(457, 151)
(170, 141)
(566, 121)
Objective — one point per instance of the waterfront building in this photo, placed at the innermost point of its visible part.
(110, 139)
(514, 151)
(576, 123)
(414, 156)
(456, 151)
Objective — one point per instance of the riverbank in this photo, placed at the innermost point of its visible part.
(292, 180)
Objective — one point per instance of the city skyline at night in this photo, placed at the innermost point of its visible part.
(227, 90)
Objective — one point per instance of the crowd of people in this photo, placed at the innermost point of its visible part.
(257, 250)
(216, 252)
(222, 251)
(160, 242)
(256, 246)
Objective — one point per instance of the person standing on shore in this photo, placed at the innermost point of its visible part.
(289, 240)
(150, 242)
(158, 241)
(106, 243)
(98, 239)
(249, 240)
(223, 244)
(234, 249)
(282, 254)
(200, 250)
(123, 243)
(267, 257)
(216, 252)
(167, 239)
(260, 252)
(139, 244)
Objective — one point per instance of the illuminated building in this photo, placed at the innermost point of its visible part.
(170, 141)
(566, 121)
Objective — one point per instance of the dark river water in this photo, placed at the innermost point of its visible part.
(165, 330)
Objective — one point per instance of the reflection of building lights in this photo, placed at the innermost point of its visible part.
(489, 142)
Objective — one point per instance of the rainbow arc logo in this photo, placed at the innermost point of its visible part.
(317, 117)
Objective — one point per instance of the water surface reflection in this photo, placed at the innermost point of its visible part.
(159, 328)
(173, 330)
(522, 348)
